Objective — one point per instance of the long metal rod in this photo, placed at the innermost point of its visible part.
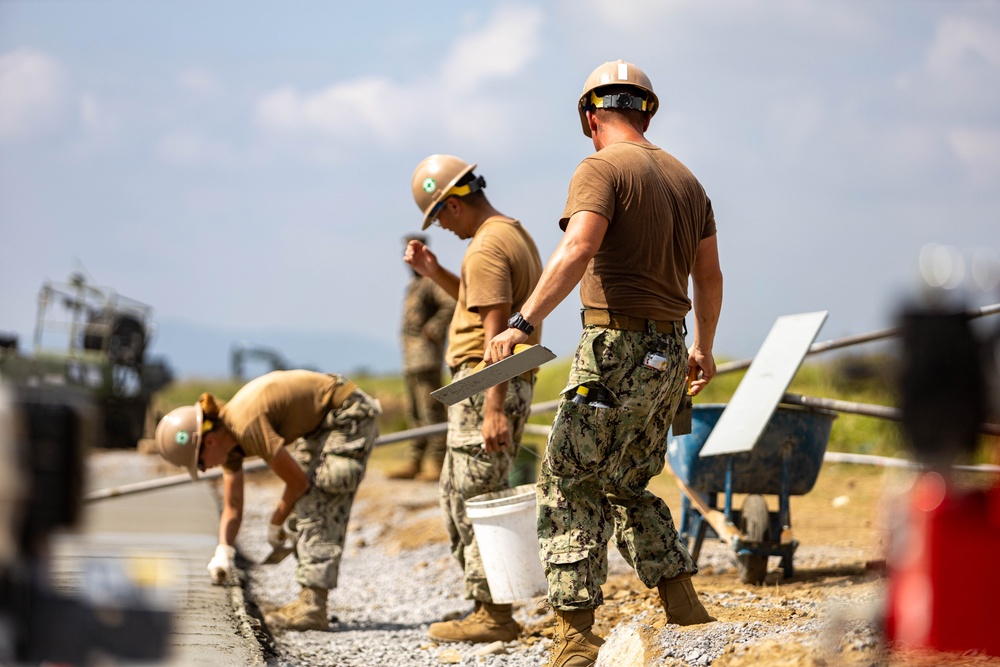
(866, 409)
(252, 466)
(878, 411)
(881, 334)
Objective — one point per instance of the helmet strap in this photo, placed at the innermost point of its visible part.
(475, 185)
(617, 101)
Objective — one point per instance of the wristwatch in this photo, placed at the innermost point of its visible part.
(516, 321)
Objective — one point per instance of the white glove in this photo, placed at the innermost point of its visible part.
(276, 535)
(221, 564)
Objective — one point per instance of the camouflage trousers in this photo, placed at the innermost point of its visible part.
(422, 409)
(334, 457)
(599, 461)
(469, 472)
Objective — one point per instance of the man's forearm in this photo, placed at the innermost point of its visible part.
(707, 307)
(447, 280)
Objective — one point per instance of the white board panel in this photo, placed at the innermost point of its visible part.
(771, 371)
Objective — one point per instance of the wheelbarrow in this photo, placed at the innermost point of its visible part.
(785, 461)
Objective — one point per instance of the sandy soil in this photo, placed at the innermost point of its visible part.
(841, 525)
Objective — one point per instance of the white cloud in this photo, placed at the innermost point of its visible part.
(962, 42)
(393, 111)
(33, 91)
(979, 151)
(961, 66)
(502, 49)
(372, 105)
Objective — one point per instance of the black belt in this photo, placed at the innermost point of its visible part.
(609, 320)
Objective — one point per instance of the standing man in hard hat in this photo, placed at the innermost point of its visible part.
(332, 427)
(499, 269)
(427, 312)
(637, 226)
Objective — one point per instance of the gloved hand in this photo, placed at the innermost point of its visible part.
(276, 535)
(221, 564)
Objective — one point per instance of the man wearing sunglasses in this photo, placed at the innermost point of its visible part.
(499, 270)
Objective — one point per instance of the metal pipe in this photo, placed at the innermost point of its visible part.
(866, 409)
(252, 466)
(825, 346)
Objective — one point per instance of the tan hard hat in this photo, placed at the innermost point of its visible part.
(434, 181)
(178, 437)
(615, 73)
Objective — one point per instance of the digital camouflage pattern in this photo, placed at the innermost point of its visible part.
(422, 409)
(334, 457)
(427, 311)
(469, 472)
(598, 462)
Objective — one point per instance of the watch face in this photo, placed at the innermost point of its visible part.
(518, 322)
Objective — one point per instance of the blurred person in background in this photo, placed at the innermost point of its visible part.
(331, 426)
(427, 312)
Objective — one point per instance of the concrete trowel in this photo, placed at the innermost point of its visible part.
(525, 358)
(277, 555)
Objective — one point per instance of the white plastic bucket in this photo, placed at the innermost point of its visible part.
(504, 523)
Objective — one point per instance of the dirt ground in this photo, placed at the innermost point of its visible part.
(841, 526)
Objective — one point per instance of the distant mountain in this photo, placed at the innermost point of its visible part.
(196, 351)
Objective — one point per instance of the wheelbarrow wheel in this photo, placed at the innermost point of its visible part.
(755, 524)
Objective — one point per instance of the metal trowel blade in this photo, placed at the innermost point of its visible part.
(525, 358)
(277, 555)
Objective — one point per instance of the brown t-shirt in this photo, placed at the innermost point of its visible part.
(658, 213)
(501, 265)
(276, 409)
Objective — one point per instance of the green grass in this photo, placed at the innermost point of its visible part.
(859, 379)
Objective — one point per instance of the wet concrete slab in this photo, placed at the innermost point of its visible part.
(177, 528)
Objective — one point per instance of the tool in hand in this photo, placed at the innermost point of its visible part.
(524, 359)
(277, 555)
(682, 419)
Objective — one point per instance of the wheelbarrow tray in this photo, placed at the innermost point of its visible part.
(802, 432)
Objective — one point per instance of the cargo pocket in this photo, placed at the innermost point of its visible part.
(572, 582)
(338, 474)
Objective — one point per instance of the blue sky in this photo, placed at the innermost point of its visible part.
(244, 167)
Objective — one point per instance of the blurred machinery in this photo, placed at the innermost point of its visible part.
(94, 339)
(943, 588)
(45, 432)
(241, 352)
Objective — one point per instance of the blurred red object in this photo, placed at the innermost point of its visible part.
(944, 585)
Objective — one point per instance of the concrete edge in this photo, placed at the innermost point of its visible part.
(245, 622)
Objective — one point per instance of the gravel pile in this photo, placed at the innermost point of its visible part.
(387, 597)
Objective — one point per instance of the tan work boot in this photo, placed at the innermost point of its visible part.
(407, 471)
(433, 472)
(308, 612)
(681, 602)
(575, 644)
(489, 623)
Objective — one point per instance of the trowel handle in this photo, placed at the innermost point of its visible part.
(691, 377)
(520, 347)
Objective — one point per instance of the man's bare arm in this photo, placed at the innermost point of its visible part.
(706, 278)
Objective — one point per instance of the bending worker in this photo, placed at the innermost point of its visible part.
(499, 269)
(637, 225)
(332, 427)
